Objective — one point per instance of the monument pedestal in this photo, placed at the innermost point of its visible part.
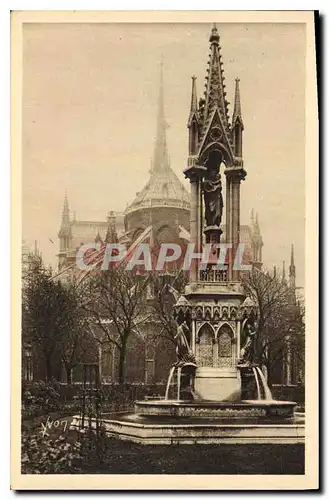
(214, 309)
(217, 384)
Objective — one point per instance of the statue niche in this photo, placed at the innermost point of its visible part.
(225, 347)
(212, 190)
(205, 345)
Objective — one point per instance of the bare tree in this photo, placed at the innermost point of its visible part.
(47, 312)
(166, 290)
(280, 317)
(77, 343)
(115, 303)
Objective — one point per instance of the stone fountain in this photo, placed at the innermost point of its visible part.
(216, 392)
(212, 396)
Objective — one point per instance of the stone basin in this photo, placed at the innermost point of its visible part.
(215, 409)
(169, 430)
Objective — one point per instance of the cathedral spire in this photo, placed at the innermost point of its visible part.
(160, 157)
(65, 212)
(65, 229)
(292, 269)
(292, 258)
(257, 228)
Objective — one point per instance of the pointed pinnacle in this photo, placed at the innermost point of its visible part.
(66, 209)
(214, 36)
(194, 100)
(292, 259)
(65, 212)
(237, 104)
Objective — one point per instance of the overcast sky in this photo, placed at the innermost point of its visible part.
(89, 113)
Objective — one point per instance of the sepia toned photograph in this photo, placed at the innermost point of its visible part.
(164, 317)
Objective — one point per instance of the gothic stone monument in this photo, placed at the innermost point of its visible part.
(215, 296)
(213, 310)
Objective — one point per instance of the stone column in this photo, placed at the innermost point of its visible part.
(235, 222)
(238, 338)
(228, 225)
(215, 352)
(234, 175)
(194, 225)
(195, 173)
(193, 337)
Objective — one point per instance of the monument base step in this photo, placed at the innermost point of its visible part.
(143, 431)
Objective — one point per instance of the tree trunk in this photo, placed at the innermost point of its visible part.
(122, 358)
(68, 375)
(49, 368)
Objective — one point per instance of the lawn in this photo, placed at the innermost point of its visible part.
(131, 458)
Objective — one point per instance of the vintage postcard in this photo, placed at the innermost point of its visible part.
(165, 275)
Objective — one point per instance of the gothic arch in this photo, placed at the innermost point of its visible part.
(205, 345)
(204, 329)
(226, 351)
(226, 327)
(216, 146)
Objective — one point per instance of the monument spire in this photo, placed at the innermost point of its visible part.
(237, 114)
(214, 124)
(283, 270)
(215, 94)
(194, 102)
(237, 122)
(160, 157)
(193, 121)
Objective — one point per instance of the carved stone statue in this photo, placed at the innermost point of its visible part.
(213, 199)
(183, 351)
(247, 352)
